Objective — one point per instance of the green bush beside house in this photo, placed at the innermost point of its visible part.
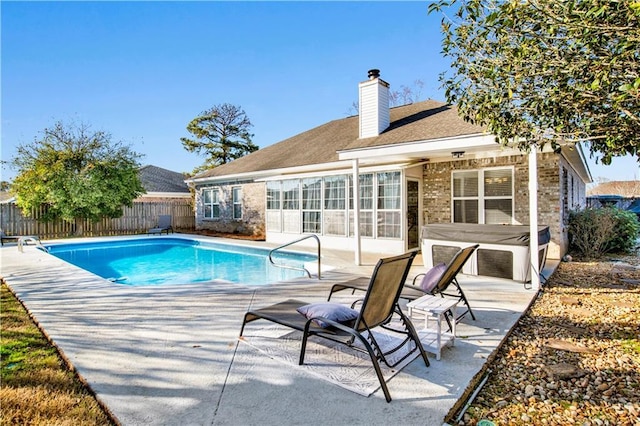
(593, 232)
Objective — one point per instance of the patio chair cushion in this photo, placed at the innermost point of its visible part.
(432, 276)
(329, 310)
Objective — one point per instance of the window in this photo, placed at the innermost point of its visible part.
(324, 205)
(290, 194)
(273, 195)
(211, 203)
(483, 196)
(274, 214)
(311, 205)
(465, 197)
(237, 202)
(334, 193)
(498, 200)
(564, 176)
(389, 188)
(334, 205)
(291, 206)
(366, 205)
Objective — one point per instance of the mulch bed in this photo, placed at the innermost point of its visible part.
(574, 358)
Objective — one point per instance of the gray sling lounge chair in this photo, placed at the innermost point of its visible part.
(164, 225)
(376, 309)
(414, 291)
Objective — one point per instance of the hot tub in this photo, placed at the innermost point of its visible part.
(503, 251)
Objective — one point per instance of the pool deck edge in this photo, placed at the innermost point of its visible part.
(171, 356)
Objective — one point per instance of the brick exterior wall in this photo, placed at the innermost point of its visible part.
(253, 211)
(574, 197)
(437, 192)
(550, 197)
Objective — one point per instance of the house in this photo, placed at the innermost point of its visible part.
(162, 185)
(616, 193)
(7, 197)
(415, 165)
(623, 188)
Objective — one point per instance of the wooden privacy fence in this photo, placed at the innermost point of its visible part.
(137, 219)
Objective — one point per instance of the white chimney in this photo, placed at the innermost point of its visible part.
(374, 105)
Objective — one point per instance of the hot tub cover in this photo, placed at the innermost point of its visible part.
(515, 235)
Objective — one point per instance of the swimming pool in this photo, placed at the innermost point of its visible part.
(158, 260)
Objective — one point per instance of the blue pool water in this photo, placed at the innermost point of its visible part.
(154, 261)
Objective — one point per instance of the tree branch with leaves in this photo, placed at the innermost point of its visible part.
(547, 72)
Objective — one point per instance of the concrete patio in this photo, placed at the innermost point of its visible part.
(170, 355)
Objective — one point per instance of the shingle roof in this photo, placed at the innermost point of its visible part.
(157, 179)
(6, 197)
(421, 121)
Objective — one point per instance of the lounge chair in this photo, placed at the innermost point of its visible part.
(164, 225)
(376, 309)
(441, 286)
(4, 237)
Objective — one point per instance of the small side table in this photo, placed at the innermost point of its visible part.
(435, 307)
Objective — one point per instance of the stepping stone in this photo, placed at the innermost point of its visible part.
(582, 312)
(573, 329)
(567, 300)
(564, 371)
(567, 346)
(618, 267)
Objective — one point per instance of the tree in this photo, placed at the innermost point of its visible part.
(76, 174)
(406, 95)
(546, 71)
(221, 134)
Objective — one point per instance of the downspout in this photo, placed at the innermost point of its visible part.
(356, 213)
(533, 217)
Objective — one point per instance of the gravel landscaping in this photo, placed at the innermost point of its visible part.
(574, 358)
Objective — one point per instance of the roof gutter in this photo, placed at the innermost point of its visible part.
(315, 169)
(368, 169)
(573, 153)
(263, 174)
(475, 141)
(585, 162)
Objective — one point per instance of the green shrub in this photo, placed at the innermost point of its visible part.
(594, 232)
(590, 230)
(627, 230)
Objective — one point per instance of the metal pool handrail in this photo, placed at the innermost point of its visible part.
(23, 241)
(279, 265)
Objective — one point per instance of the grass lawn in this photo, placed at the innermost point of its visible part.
(36, 385)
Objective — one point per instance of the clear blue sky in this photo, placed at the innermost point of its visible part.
(143, 70)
